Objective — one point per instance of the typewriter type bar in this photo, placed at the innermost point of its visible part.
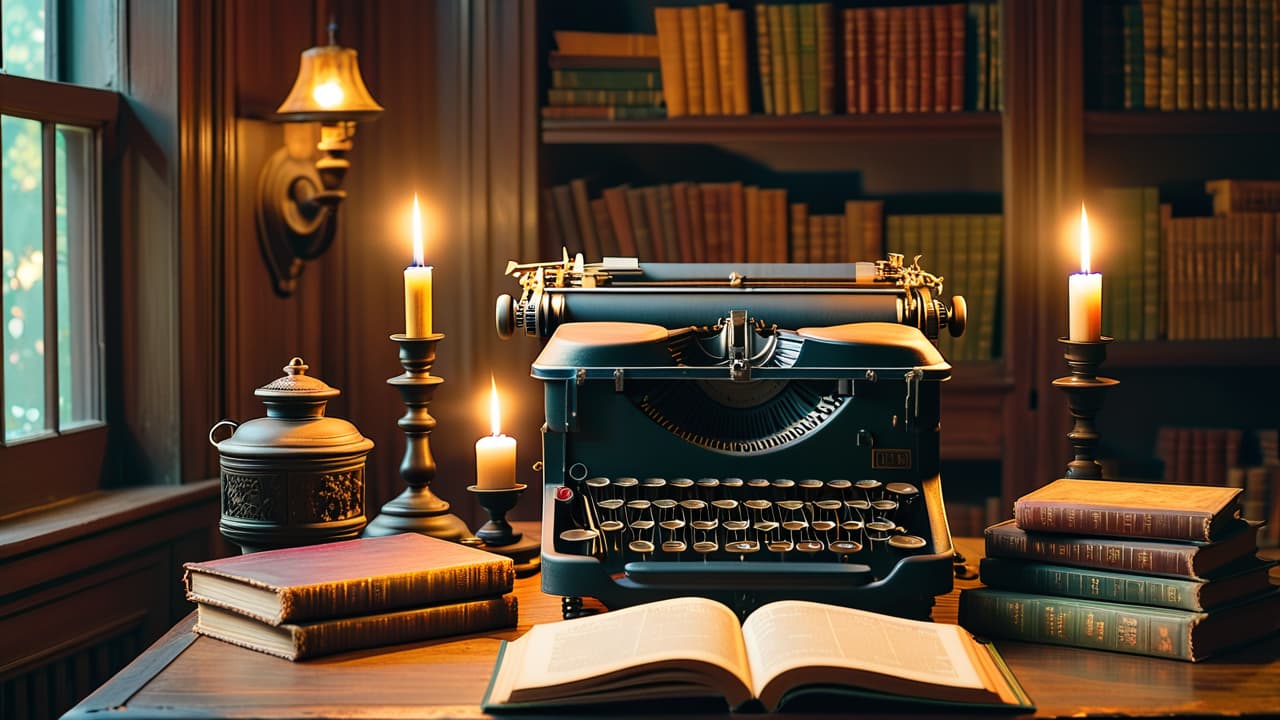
(738, 459)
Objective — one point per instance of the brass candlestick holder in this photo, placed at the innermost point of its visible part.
(1084, 398)
(417, 509)
(497, 532)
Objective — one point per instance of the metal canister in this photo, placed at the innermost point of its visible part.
(294, 477)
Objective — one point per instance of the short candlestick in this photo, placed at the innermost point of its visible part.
(1084, 399)
(417, 509)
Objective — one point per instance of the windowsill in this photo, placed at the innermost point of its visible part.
(42, 527)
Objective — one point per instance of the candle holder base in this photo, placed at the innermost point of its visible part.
(1084, 399)
(500, 537)
(419, 510)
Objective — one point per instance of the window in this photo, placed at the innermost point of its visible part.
(53, 129)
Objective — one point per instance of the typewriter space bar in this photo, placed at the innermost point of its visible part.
(733, 574)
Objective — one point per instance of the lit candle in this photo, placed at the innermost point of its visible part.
(417, 284)
(495, 454)
(1085, 293)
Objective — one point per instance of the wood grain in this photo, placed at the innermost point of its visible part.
(446, 678)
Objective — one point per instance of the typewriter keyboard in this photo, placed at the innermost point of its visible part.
(627, 519)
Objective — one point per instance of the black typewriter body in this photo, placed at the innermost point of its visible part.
(750, 457)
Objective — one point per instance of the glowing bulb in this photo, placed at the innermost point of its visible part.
(328, 94)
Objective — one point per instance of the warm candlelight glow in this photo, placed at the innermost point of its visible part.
(417, 284)
(1084, 292)
(495, 453)
(495, 413)
(1086, 244)
(417, 233)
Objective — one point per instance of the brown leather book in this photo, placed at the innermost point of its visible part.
(1113, 508)
(778, 54)
(941, 57)
(799, 232)
(751, 201)
(956, 94)
(880, 57)
(684, 226)
(710, 60)
(293, 641)
(850, 57)
(911, 58)
(604, 230)
(826, 59)
(764, 57)
(698, 223)
(724, 56)
(586, 223)
(862, 24)
(671, 55)
(691, 51)
(924, 28)
(738, 61)
(574, 42)
(343, 579)
(737, 231)
(815, 238)
(620, 216)
(791, 42)
(897, 78)
(653, 218)
(780, 226)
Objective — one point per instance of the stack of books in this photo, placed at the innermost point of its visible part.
(604, 76)
(704, 59)
(303, 602)
(1145, 568)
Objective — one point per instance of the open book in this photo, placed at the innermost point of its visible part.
(695, 647)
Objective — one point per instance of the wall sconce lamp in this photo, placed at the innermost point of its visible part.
(298, 198)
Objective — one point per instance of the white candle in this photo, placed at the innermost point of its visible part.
(495, 454)
(1084, 293)
(417, 284)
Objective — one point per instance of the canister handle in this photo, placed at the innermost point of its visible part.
(214, 429)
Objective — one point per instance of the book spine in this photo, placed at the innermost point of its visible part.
(1266, 55)
(778, 49)
(1239, 68)
(764, 57)
(959, 34)
(897, 59)
(667, 216)
(751, 199)
(880, 57)
(554, 237)
(738, 60)
(1199, 32)
(911, 58)
(1103, 553)
(826, 59)
(326, 600)
(606, 97)
(639, 224)
(1182, 19)
(1253, 56)
(996, 68)
(1169, 55)
(863, 35)
(1087, 584)
(1225, 49)
(710, 223)
(737, 227)
(1129, 29)
(941, 57)
(582, 213)
(563, 198)
(1150, 263)
(1211, 71)
(849, 55)
(1151, 54)
(671, 57)
(606, 79)
(709, 60)
(815, 239)
(603, 112)
(791, 41)
(924, 28)
(768, 241)
(604, 230)
(799, 232)
(1130, 522)
(1156, 632)
(364, 632)
(684, 227)
(653, 219)
(691, 51)
(697, 223)
(993, 242)
(724, 56)
(807, 19)
(616, 200)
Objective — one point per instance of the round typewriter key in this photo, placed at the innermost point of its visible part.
(867, 485)
(653, 482)
(736, 525)
(641, 546)
(809, 546)
(766, 526)
(681, 482)
(791, 505)
(673, 546)
(758, 483)
(708, 482)
(671, 524)
(725, 504)
(828, 504)
(879, 529)
(597, 482)
(742, 547)
(902, 490)
(758, 504)
(691, 504)
(852, 526)
(794, 525)
(626, 482)
(577, 535)
(780, 546)
(705, 525)
(846, 547)
(638, 504)
(858, 505)
(839, 484)
(610, 504)
(731, 482)
(641, 524)
(664, 503)
(784, 483)
(810, 483)
(705, 546)
(564, 494)
(910, 543)
(611, 525)
(824, 525)
(884, 505)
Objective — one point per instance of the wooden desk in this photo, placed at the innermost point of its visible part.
(183, 675)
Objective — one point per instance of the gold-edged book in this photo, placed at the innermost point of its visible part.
(790, 654)
(298, 641)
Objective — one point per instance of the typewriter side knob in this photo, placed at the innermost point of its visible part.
(505, 315)
(959, 311)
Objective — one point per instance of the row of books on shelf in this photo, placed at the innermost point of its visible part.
(303, 602)
(918, 58)
(1181, 278)
(1228, 457)
(1162, 570)
(733, 222)
(1190, 55)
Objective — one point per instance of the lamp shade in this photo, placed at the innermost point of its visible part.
(329, 88)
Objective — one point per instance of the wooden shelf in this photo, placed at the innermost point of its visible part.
(1141, 122)
(768, 128)
(1174, 354)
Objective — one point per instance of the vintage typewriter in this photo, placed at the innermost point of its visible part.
(747, 433)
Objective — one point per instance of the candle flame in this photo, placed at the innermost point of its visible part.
(495, 413)
(1086, 244)
(417, 233)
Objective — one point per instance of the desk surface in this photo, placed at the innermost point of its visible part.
(184, 675)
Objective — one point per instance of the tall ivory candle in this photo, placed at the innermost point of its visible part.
(496, 453)
(1084, 293)
(417, 284)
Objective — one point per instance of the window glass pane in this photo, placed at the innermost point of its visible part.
(23, 39)
(22, 302)
(76, 213)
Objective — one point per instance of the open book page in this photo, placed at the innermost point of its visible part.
(900, 656)
(680, 631)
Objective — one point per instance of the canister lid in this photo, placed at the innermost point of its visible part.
(296, 383)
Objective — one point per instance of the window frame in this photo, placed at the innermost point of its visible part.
(63, 464)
